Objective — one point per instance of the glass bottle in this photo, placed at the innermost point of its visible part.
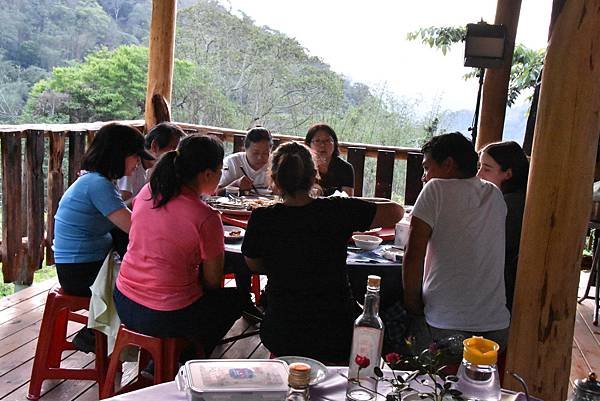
(367, 340)
(298, 379)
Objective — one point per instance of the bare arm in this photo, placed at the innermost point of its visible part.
(121, 218)
(387, 214)
(212, 272)
(348, 190)
(412, 269)
(127, 197)
(255, 265)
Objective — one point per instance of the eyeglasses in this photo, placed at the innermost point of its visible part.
(322, 141)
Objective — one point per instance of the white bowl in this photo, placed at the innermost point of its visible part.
(366, 242)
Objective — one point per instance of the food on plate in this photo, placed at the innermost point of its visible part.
(241, 203)
(234, 233)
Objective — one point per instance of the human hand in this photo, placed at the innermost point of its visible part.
(244, 183)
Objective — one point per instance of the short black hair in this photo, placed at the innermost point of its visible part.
(257, 134)
(312, 131)
(456, 146)
(163, 134)
(112, 144)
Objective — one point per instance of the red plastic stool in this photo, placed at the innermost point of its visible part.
(59, 310)
(163, 351)
(254, 284)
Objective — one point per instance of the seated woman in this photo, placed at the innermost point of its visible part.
(90, 209)
(161, 139)
(334, 172)
(248, 168)
(505, 165)
(300, 244)
(169, 281)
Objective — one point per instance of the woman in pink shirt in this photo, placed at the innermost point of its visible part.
(169, 281)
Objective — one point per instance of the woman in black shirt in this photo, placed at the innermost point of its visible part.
(505, 164)
(300, 244)
(334, 172)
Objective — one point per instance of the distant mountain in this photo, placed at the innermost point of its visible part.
(514, 124)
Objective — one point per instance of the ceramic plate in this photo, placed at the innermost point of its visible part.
(371, 231)
(233, 234)
(318, 371)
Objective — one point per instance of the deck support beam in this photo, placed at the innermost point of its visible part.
(495, 83)
(161, 56)
(558, 204)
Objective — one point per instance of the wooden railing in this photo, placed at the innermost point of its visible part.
(35, 160)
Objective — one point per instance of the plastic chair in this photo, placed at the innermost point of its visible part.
(163, 351)
(254, 285)
(59, 310)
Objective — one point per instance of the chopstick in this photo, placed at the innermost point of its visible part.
(253, 187)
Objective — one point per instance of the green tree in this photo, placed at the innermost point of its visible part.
(526, 64)
(268, 75)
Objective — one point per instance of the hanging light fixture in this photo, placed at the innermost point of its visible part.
(485, 46)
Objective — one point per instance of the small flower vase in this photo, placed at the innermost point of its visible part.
(357, 391)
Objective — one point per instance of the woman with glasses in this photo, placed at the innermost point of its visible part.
(335, 173)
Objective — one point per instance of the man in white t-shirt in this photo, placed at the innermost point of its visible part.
(453, 274)
(162, 138)
(246, 169)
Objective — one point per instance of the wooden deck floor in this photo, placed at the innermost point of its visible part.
(21, 314)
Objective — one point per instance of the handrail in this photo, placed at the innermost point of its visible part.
(227, 133)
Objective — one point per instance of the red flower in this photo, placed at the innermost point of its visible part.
(362, 361)
(433, 348)
(392, 358)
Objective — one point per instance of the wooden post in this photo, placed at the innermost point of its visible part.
(56, 187)
(12, 248)
(160, 56)
(414, 177)
(384, 175)
(356, 157)
(35, 205)
(495, 84)
(558, 204)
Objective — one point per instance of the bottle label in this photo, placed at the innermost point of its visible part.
(366, 341)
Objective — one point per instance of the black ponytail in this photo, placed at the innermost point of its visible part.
(293, 168)
(195, 154)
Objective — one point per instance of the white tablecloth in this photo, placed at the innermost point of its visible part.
(333, 388)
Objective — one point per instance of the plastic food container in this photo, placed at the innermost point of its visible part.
(234, 380)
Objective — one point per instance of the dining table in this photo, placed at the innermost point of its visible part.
(332, 388)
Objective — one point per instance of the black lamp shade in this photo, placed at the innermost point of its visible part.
(485, 45)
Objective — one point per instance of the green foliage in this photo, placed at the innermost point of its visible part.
(527, 63)
(107, 85)
(442, 37)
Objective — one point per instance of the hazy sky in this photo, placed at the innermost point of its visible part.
(366, 40)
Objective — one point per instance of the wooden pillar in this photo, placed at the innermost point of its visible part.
(558, 204)
(160, 55)
(495, 84)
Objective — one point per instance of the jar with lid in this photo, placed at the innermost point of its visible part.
(587, 389)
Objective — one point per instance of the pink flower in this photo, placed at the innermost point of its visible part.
(362, 361)
(392, 358)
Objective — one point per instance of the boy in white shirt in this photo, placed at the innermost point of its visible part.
(248, 168)
(453, 274)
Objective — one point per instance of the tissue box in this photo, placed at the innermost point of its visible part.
(234, 380)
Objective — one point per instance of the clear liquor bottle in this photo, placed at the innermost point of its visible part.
(298, 380)
(367, 340)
